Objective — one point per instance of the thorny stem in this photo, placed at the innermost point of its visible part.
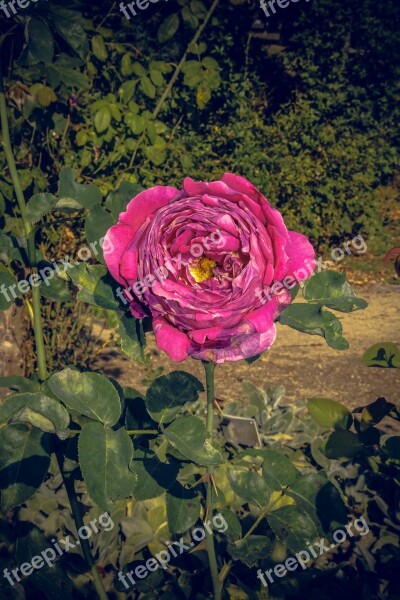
(217, 584)
(77, 515)
(227, 567)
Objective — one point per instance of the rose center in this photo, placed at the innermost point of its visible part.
(202, 269)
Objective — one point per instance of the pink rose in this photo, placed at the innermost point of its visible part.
(202, 262)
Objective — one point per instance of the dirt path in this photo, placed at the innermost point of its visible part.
(304, 364)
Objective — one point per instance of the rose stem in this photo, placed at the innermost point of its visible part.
(29, 234)
(77, 515)
(209, 369)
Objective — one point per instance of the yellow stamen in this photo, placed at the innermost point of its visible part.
(202, 269)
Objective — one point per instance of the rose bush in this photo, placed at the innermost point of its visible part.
(216, 245)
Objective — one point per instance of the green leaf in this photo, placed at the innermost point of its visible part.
(199, 9)
(320, 499)
(52, 582)
(24, 462)
(127, 90)
(95, 285)
(86, 195)
(7, 281)
(342, 445)
(152, 133)
(203, 94)
(39, 205)
(329, 413)
(138, 69)
(252, 550)
(292, 526)
(153, 475)
(189, 18)
(136, 416)
(183, 508)
(169, 393)
(147, 87)
(97, 223)
(168, 28)
(41, 42)
(117, 201)
(104, 457)
(210, 63)
(9, 250)
(131, 344)
(249, 486)
(188, 435)
(278, 470)
(115, 112)
(37, 409)
(65, 71)
(68, 205)
(74, 34)
(136, 123)
(99, 48)
(313, 319)
(55, 289)
(45, 96)
(331, 289)
(157, 78)
(305, 491)
(102, 119)
(19, 384)
(193, 78)
(384, 354)
(89, 394)
(2, 205)
(82, 137)
(234, 529)
(126, 65)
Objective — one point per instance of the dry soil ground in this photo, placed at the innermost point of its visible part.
(304, 364)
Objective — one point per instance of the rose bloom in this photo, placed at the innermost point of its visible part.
(196, 260)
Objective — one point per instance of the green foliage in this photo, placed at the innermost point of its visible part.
(88, 394)
(24, 462)
(332, 290)
(104, 457)
(183, 508)
(279, 488)
(169, 393)
(36, 409)
(329, 413)
(323, 289)
(154, 476)
(250, 487)
(188, 435)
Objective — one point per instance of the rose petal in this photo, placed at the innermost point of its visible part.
(175, 343)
